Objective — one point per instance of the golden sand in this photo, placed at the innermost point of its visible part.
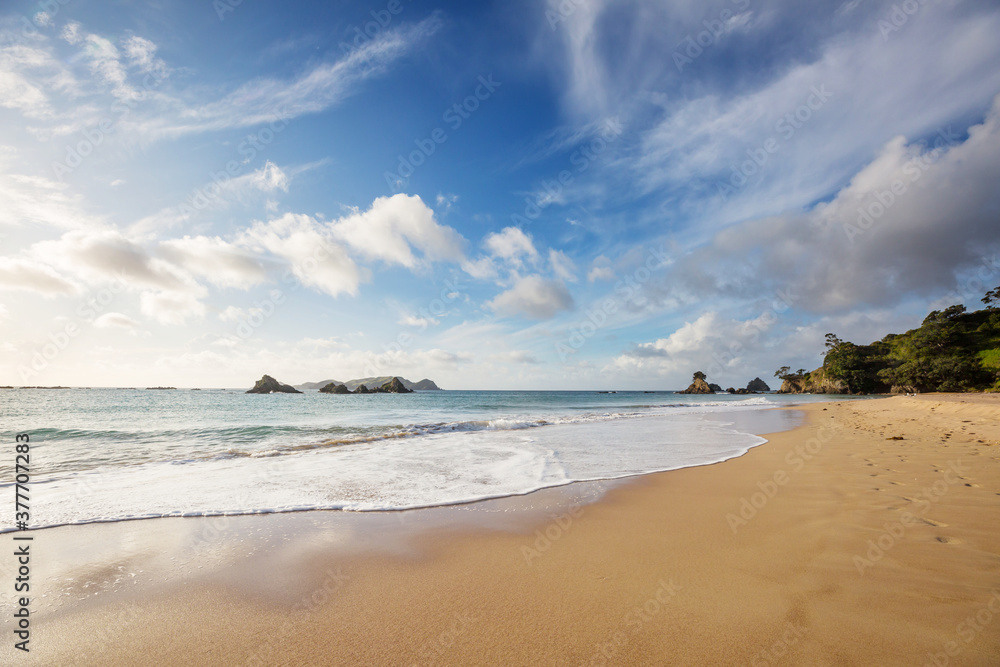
(868, 536)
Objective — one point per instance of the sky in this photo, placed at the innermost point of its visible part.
(529, 194)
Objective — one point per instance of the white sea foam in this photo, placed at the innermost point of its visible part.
(447, 464)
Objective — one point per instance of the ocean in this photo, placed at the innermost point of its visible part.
(118, 454)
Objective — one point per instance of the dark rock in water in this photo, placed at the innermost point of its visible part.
(423, 385)
(268, 385)
(394, 386)
(699, 386)
(334, 388)
(362, 390)
(756, 385)
(714, 387)
(731, 390)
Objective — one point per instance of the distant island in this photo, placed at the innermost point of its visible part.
(380, 385)
(393, 386)
(951, 351)
(352, 385)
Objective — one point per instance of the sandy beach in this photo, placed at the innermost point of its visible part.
(867, 536)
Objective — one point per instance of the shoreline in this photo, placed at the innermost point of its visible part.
(551, 580)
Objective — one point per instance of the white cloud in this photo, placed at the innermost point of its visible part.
(233, 314)
(105, 256)
(108, 320)
(221, 263)
(24, 72)
(394, 226)
(904, 225)
(23, 274)
(141, 54)
(512, 245)
(419, 322)
(71, 33)
(322, 86)
(105, 61)
(446, 201)
(172, 307)
(562, 266)
(315, 258)
(37, 200)
(533, 297)
(943, 63)
(600, 273)
(689, 338)
(514, 357)
(483, 268)
(268, 178)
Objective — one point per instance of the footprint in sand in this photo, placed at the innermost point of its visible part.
(932, 522)
(974, 486)
(948, 540)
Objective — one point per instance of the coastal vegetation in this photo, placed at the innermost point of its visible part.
(952, 350)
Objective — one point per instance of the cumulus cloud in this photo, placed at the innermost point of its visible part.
(315, 258)
(511, 244)
(394, 226)
(533, 297)
(726, 349)
(904, 225)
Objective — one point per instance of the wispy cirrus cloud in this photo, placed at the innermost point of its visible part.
(325, 85)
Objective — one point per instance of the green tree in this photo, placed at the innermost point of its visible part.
(992, 298)
(698, 375)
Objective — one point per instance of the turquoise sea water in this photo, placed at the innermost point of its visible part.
(112, 454)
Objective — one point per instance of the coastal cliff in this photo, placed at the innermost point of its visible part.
(816, 382)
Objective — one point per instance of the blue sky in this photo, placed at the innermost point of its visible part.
(552, 195)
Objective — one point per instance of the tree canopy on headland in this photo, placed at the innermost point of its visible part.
(952, 350)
